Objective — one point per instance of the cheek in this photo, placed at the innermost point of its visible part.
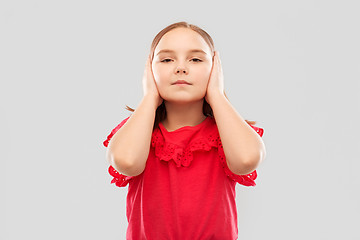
(161, 74)
(207, 68)
(203, 74)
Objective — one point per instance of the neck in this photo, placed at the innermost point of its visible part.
(183, 114)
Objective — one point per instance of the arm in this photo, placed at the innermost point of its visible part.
(243, 147)
(129, 148)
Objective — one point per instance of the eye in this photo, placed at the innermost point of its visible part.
(197, 59)
(165, 60)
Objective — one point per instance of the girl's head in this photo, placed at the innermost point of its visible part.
(181, 54)
(181, 64)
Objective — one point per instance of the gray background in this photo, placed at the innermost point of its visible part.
(69, 67)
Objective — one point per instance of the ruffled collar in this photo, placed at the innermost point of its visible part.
(178, 145)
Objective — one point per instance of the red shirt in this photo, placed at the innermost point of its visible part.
(186, 190)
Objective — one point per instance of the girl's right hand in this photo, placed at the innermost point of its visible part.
(149, 84)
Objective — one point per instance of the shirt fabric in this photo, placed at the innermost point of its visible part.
(186, 190)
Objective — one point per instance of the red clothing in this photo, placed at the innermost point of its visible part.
(186, 191)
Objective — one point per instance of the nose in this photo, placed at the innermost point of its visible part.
(180, 69)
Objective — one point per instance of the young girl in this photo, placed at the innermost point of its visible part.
(185, 147)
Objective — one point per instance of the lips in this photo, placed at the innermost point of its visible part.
(181, 81)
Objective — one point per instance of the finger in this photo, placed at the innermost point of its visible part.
(218, 61)
(150, 61)
(215, 58)
(147, 61)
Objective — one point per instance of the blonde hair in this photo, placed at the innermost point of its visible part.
(161, 110)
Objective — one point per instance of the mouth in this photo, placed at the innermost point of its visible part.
(181, 82)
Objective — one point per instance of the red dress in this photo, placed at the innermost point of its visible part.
(186, 190)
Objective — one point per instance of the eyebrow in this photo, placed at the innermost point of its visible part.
(171, 51)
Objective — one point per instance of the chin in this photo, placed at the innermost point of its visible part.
(184, 100)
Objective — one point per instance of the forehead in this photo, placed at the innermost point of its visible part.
(182, 40)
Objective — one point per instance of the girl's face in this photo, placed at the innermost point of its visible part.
(174, 60)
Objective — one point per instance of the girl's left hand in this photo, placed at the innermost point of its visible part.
(216, 81)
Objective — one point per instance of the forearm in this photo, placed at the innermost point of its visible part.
(243, 147)
(130, 145)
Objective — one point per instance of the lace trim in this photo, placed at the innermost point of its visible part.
(119, 179)
(181, 156)
(259, 130)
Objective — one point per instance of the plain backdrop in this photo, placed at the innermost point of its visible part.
(68, 68)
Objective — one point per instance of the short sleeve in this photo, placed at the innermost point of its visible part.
(259, 130)
(246, 180)
(106, 142)
(119, 179)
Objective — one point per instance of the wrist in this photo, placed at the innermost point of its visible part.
(151, 99)
(215, 97)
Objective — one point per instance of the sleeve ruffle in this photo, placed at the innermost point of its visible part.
(106, 142)
(259, 130)
(246, 180)
(119, 179)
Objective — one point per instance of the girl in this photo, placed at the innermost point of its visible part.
(185, 147)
